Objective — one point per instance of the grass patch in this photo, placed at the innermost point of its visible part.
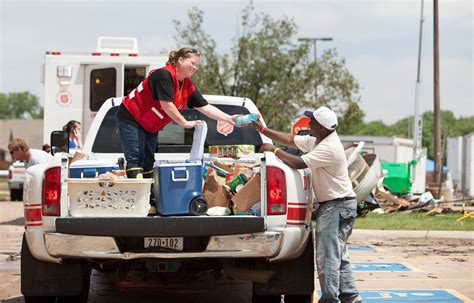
(414, 221)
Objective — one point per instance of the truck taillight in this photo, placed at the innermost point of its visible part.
(32, 215)
(276, 191)
(52, 192)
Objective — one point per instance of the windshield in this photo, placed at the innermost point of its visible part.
(175, 139)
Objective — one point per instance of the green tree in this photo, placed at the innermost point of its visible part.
(267, 65)
(23, 105)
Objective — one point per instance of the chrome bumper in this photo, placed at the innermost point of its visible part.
(264, 245)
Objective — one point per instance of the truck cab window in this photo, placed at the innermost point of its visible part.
(175, 139)
(103, 85)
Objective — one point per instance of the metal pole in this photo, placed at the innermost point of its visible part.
(316, 74)
(314, 40)
(418, 117)
(437, 109)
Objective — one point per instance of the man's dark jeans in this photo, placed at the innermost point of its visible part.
(138, 146)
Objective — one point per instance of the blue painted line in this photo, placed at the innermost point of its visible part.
(361, 248)
(407, 296)
(369, 266)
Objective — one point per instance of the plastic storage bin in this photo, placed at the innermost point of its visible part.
(90, 168)
(109, 197)
(178, 186)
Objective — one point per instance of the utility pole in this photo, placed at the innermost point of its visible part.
(314, 40)
(417, 118)
(437, 109)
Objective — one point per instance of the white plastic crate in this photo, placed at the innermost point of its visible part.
(109, 198)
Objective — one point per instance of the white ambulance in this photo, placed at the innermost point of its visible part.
(77, 84)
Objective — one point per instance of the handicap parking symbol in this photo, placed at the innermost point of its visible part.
(399, 296)
(371, 266)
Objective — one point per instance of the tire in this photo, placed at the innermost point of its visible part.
(40, 299)
(16, 194)
(294, 278)
(265, 299)
(299, 298)
(45, 282)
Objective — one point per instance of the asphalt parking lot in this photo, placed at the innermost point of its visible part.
(390, 266)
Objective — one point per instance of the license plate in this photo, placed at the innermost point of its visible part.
(165, 242)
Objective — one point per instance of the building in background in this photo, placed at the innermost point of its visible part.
(460, 161)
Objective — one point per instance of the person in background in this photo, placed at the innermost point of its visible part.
(157, 101)
(73, 129)
(20, 150)
(332, 187)
(46, 148)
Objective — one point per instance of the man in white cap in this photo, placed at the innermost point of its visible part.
(332, 187)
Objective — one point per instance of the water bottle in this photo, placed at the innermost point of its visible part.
(247, 119)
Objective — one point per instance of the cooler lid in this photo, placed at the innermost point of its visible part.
(197, 149)
(93, 163)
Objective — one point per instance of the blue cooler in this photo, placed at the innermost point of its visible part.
(90, 168)
(178, 186)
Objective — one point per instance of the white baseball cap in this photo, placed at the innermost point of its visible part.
(324, 116)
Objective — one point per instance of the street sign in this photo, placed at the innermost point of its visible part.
(301, 124)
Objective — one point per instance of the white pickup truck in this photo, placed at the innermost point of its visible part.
(274, 249)
(16, 177)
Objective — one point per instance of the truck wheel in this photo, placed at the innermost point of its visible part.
(294, 278)
(299, 298)
(40, 299)
(16, 195)
(45, 282)
(265, 298)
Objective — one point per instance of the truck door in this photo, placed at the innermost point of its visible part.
(102, 82)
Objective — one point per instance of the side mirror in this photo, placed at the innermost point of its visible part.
(59, 141)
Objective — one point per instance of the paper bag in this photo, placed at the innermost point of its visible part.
(214, 192)
(245, 198)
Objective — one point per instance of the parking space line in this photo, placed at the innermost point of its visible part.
(362, 248)
(460, 295)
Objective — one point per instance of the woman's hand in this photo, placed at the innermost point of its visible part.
(77, 135)
(191, 124)
(232, 119)
(267, 147)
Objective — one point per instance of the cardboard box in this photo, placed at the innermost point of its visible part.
(245, 198)
(215, 193)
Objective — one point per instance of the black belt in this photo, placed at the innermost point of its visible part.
(339, 200)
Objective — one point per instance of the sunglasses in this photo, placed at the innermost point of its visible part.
(192, 51)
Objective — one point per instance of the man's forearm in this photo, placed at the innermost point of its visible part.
(292, 161)
(280, 137)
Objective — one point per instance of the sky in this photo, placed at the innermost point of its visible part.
(377, 38)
